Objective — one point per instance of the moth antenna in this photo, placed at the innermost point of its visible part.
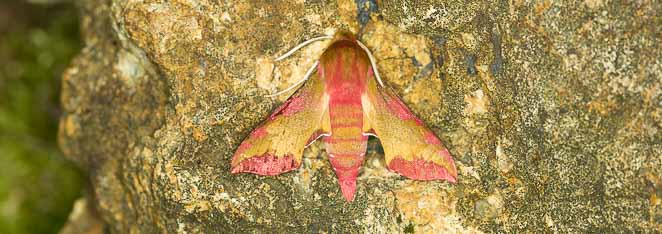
(308, 73)
(300, 46)
(372, 62)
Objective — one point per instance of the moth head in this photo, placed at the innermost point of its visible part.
(344, 36)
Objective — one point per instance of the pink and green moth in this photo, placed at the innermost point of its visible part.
(343, 104)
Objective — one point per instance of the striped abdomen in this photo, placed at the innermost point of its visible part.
(347, 145)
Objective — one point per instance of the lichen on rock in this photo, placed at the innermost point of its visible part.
(552, 111)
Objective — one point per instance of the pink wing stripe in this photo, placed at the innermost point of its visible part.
(267, 164)
(419, 169)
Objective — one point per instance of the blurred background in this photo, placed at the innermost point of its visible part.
(37, 184)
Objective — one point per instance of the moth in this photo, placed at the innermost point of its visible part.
(344, 103)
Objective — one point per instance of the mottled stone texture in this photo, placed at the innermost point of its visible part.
(553, 111)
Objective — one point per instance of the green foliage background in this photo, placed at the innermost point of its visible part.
(37, 185)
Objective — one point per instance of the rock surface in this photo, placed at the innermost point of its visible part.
(553, 112)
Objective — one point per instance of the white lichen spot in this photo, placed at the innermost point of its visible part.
(490, 207)
(476, 103)
(264, 73)
(549, 221)
(220, 20)
(375, 168)
(410, 17)
(469, 171)
(181, 227)
(469, 41)
(262, 13)
(496, 200)
(314, 19)
(129, 69)
(503, 161)
(194, 29)
(225, 16)
(330, 31)
(437, 15)
(430, 12)
(571, 62)
(155, 7)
